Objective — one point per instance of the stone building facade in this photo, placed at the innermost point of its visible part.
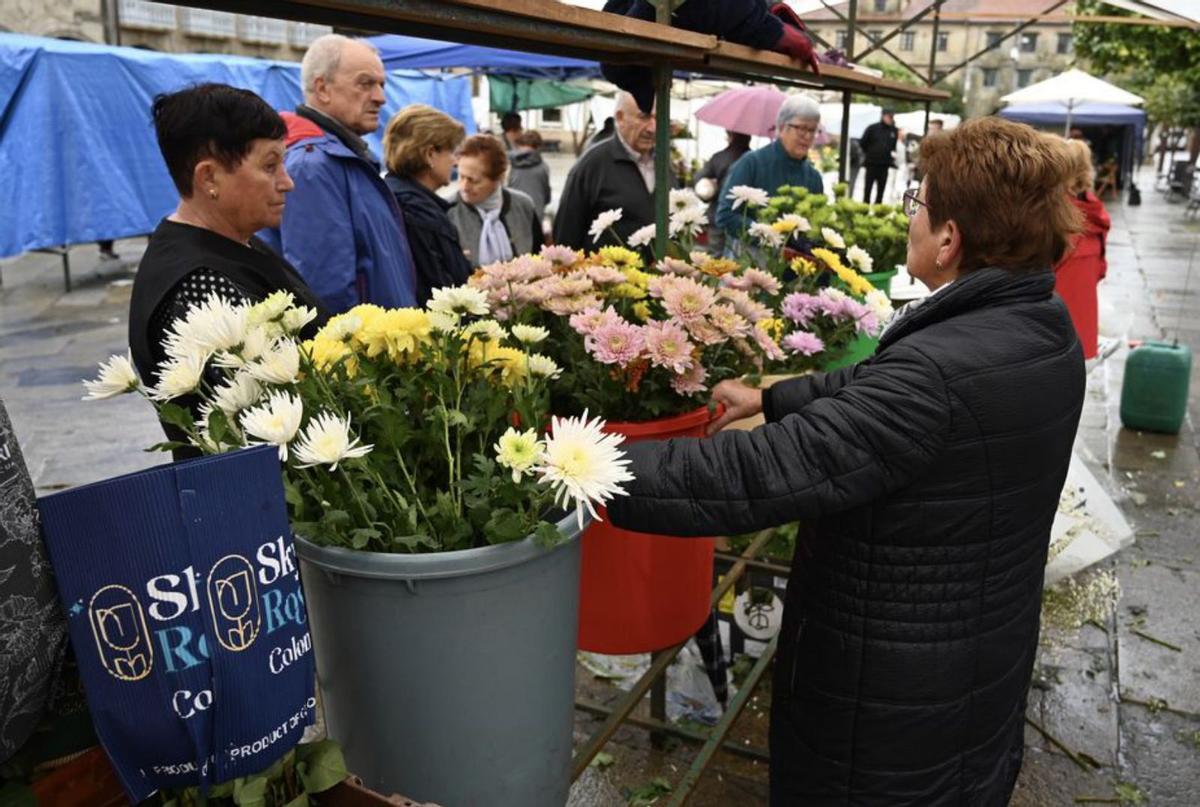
(160, 27)
(966, 28)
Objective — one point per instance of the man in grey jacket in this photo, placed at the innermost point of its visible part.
(528, 172)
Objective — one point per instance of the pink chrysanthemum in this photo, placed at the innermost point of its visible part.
(674, 266)
(800, 308)
(687, 299)
(691, 382)
(769, 346)
(746, 306)
(604, 275)
(728, 321)
(565, 306)
(668, 346)
(589, 321)
(559, 255)
(804, 343)
(615, 343)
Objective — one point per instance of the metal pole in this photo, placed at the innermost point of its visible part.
(844, 145)
(933, 49)
(662, 140)
(690, 735)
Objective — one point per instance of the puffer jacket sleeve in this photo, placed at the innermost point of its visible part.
(871, 437)
(794, 394)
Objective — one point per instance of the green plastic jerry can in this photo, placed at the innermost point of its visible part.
(1154, 394)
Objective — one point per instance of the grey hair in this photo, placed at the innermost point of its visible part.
(796, 106)
(322, 58)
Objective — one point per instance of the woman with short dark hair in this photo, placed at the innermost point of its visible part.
(418, 149)
(925, 480)
(224, 150)
(494, 223)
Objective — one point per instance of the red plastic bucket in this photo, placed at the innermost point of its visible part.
(641, 592)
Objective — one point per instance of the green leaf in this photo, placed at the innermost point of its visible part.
(323, 765)
(176, 415)
(167, 445)
(362, 536)
(547, 534)
(299, 801)
(250, 791)
(504, 526)
(602, 760)
(15, 794)
(218, 428)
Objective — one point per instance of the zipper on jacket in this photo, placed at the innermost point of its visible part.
(796, 656)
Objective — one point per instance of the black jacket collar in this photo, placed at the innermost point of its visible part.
(982, 288)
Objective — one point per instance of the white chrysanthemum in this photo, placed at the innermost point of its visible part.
(279, 365)
(326, 441)
(837, 295)
(796, 222)
(879, 303)
(485, 330)
(274, 422)
(583, 465)
(294, 319)
(238, 393)
(518, 451)
(690, 220)
(210, 327)
(117, 377)
(270, 309)
(683, 199)
(444, 321)
(178, 377)
(748, 195)
(766, 235)
(459, 300)
(860, 259)
(833, 238)
(341, 327)
(543, 366)
(604, 221)
(642, 236)
(529, 334)
(257, 342)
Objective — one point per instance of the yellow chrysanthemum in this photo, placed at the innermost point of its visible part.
(325, 353)
(784, 226)
(399, 332)
(772, 327)
(856, 283)
(510, 364)
(641, 311)
(627, 291)
(716, 267)
(636, 277)
(620, 258)
(803, 267)
(828, 257)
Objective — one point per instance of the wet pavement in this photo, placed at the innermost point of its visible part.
(1116, 702)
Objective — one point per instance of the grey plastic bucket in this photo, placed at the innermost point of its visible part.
(450, 677)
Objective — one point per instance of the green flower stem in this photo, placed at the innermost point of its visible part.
(354, 492)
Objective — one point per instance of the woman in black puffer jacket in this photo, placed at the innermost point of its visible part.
(927, 478)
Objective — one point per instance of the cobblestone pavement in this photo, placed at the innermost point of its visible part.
(1125, 706)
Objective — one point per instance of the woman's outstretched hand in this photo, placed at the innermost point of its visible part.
(740, 401)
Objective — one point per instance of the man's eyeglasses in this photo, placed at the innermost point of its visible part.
(912, 204)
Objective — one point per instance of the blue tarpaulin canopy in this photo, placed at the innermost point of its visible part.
(413, 53)
(80, 159)
(1130, 119)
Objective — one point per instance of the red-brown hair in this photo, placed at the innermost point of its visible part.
(1005, 186)
(489, 150)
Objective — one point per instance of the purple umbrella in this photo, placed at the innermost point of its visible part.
(746, 110)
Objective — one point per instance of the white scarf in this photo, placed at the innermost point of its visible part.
(494, 244)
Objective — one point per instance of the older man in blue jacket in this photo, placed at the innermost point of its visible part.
(342, 228)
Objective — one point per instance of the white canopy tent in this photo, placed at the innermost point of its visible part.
(1169, 10)
(1072, 89)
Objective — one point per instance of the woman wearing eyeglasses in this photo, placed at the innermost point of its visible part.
(784, 161)
(925, 479)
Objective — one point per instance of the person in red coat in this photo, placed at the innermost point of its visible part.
(1076, 277)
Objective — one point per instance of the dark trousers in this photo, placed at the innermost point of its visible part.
(876, 174)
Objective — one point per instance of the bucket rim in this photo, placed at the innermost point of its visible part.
(433, 565)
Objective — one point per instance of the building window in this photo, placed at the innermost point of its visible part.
(552, 116)
(943, 41)
(1065, 43)
(840, 42)
(874, 35)
(1023, 77)
(989, 76)
(1028, 43)
(907, 39)
(993, 38)
(880, 6)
